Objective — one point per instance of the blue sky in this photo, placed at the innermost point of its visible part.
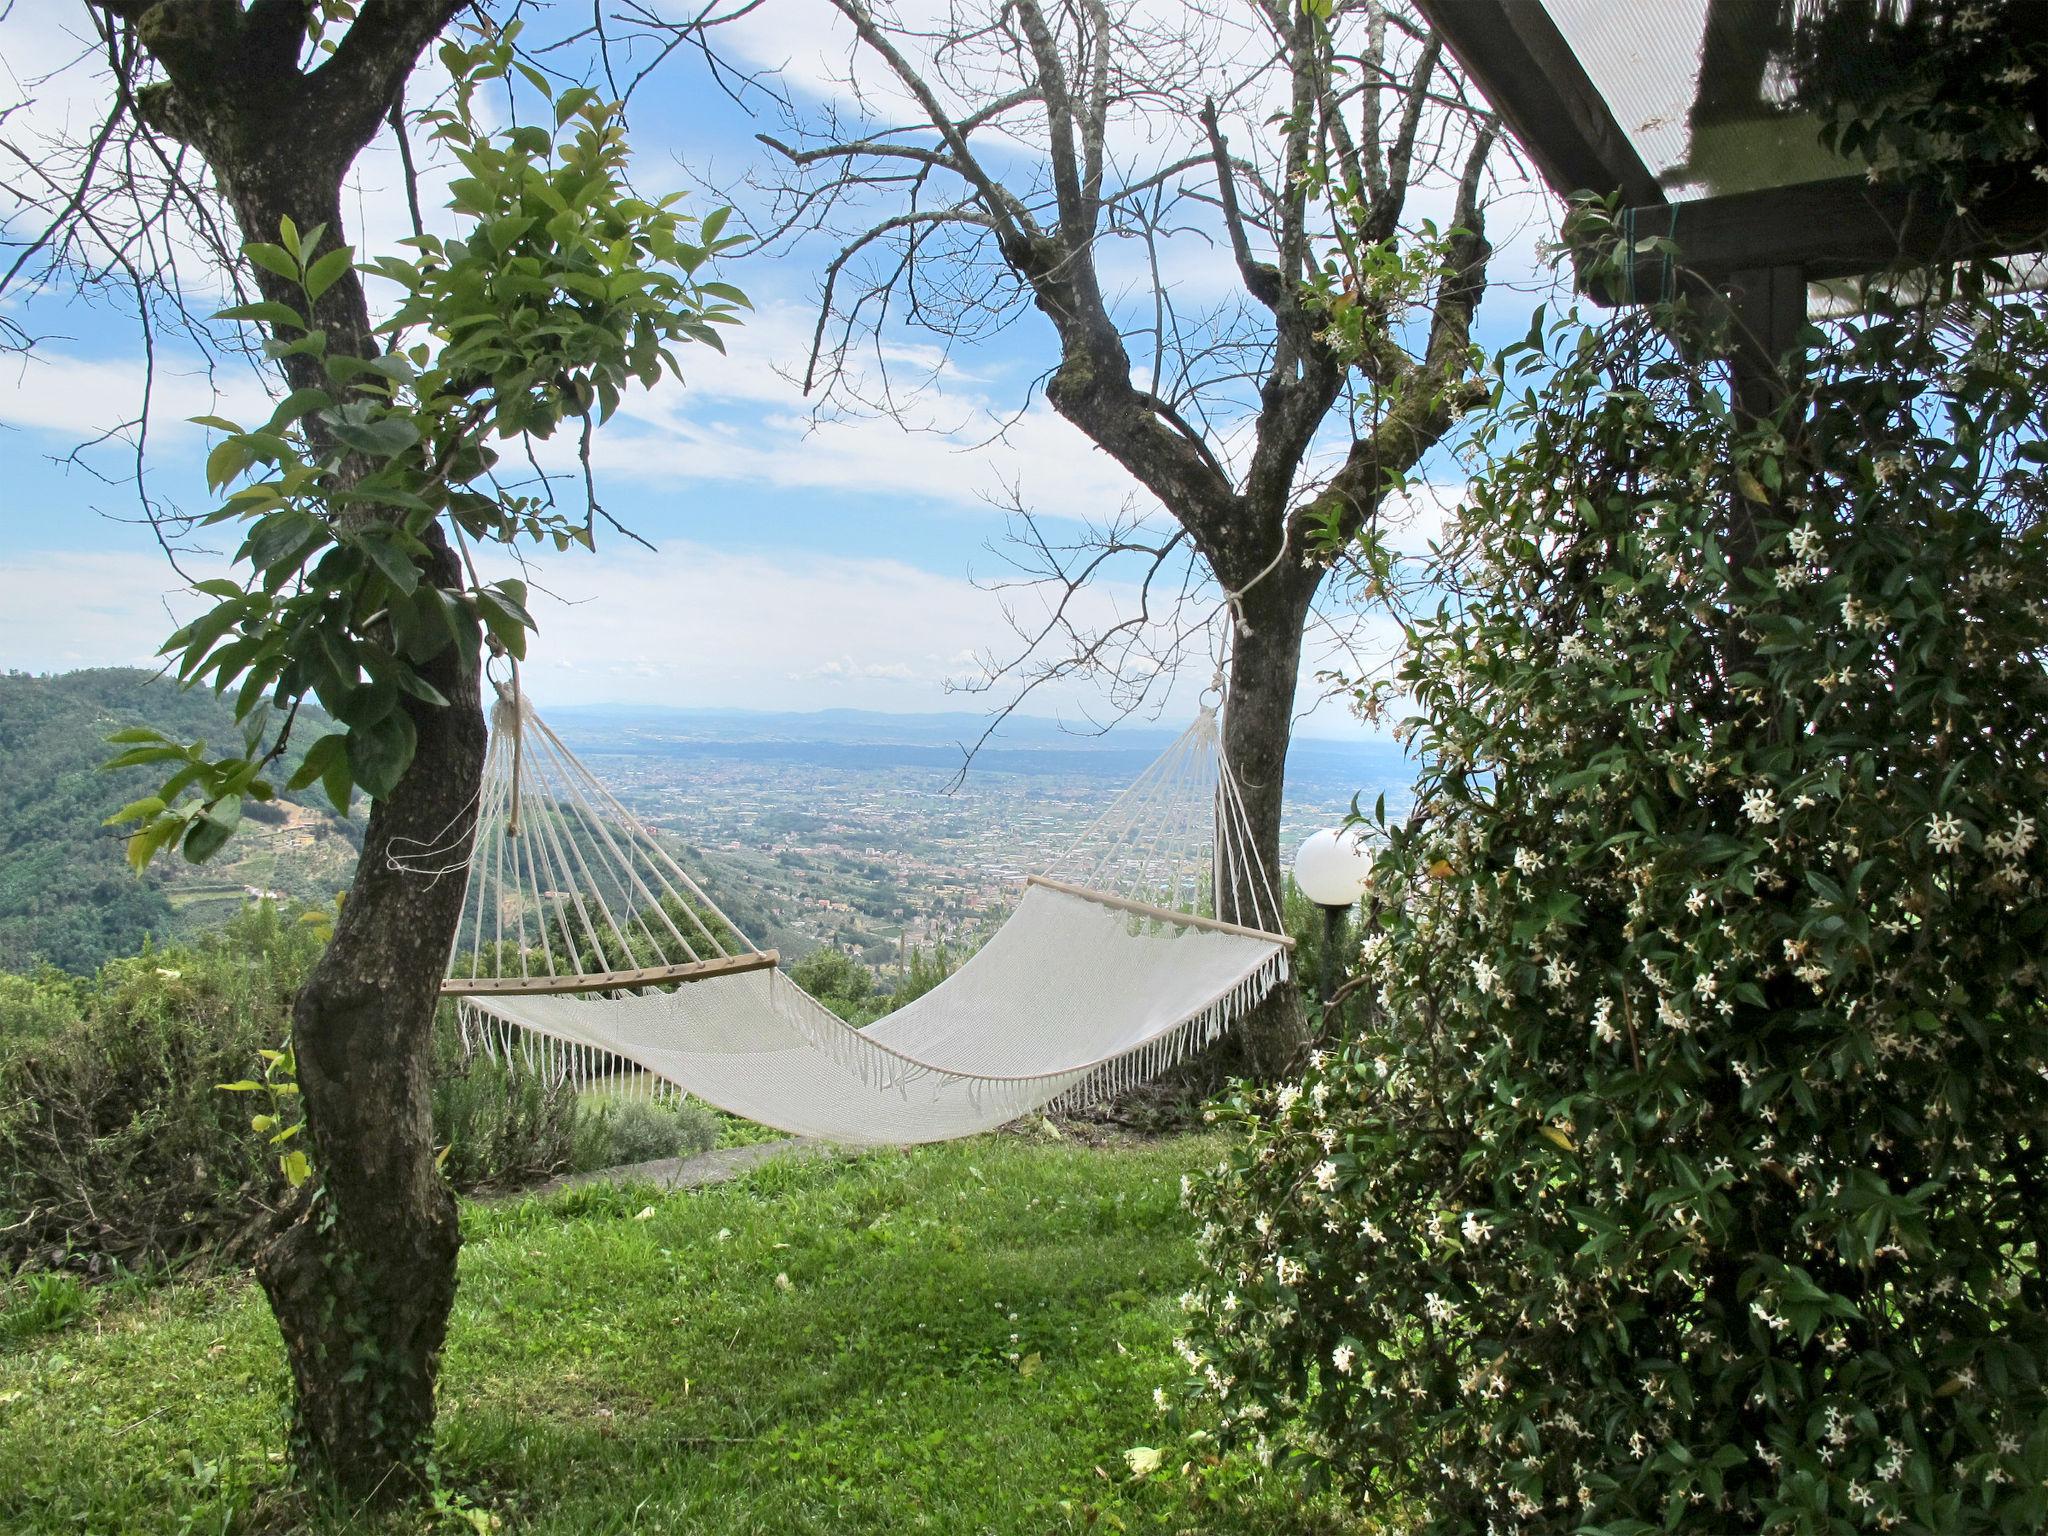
(800, 563)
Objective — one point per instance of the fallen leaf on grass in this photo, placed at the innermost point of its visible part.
(1143, 1460)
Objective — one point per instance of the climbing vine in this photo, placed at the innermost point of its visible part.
(1688, 1172)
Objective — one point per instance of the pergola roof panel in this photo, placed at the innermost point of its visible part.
(1689, 110)
(1702, 91)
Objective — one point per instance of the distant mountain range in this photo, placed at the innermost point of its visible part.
(1027, 744)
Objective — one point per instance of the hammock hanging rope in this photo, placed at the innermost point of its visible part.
(585, 946)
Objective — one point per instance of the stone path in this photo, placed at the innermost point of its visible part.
(714, 1167)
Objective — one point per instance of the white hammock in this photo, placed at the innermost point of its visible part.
(584, 945)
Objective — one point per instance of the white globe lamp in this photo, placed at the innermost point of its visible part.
(1331, 868)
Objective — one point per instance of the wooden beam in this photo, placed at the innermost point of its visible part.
(1164, 914)
(1523, 66)
(1842, 227)
(608, 981)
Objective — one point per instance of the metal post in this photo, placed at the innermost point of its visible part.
(1333, 968)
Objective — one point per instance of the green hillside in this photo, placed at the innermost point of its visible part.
(67, 896)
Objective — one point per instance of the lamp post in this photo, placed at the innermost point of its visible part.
(1331, 869)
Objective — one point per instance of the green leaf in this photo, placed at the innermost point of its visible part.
(394, 562)
(364, 706)
(411, 682)
(281, 538)
(227, 462)
(337, 783)
(143, 846)
(300, 402)
(379, 754)
(205, 839)
(136, 810)
(328, 270)
(383, 438)
(319, 758)
(267, 311)
(505, 619)
(535, 78)
(138, 756)
(273, 259)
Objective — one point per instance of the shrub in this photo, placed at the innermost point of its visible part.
(35, 1009)
(118, 1147)
(839, 981)
(641, 1130)
(504, 1128)
(114, 1140)
(1689, 1170)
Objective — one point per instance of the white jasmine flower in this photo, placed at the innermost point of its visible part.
(1603, 1026)
(1945, 832)
(1342, 1357)
(1760, 804)
(2015, 842)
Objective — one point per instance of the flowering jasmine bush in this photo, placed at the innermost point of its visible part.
(1689, 1172)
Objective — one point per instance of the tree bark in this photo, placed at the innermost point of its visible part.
(363, 1278)
(1258, 722)
(361, 1275)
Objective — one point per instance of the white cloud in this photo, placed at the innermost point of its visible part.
(63, 609)
(77, 398)
(696, 626)
(687, 627)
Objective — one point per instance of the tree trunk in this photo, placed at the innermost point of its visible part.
(1258, 720)
(363, 1279)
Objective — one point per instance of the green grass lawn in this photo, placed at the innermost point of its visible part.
(960, 1339)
